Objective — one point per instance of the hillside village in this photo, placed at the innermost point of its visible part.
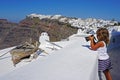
(77, 22)
(88, 25)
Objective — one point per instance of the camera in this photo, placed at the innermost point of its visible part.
(87, 38)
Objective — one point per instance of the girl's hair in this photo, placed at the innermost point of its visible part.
(103, 35)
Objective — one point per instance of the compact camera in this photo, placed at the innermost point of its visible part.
(87, 38)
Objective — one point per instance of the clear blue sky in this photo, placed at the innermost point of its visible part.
(16, 10)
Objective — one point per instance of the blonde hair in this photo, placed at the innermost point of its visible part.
(103, 35)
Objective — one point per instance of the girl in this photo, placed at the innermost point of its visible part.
(104, 63)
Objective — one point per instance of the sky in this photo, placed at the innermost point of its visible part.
(16, 10)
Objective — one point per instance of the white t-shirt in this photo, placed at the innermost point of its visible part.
(102, 52)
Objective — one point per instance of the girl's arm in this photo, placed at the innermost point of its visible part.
(95, 46)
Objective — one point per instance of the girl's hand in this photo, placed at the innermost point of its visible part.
(91, 37)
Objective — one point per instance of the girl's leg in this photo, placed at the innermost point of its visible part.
(107, 75)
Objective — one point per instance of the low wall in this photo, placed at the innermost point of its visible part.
(73, 62)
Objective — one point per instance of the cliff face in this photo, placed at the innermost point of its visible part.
(12, 34)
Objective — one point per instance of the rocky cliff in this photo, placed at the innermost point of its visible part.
(12, 34)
